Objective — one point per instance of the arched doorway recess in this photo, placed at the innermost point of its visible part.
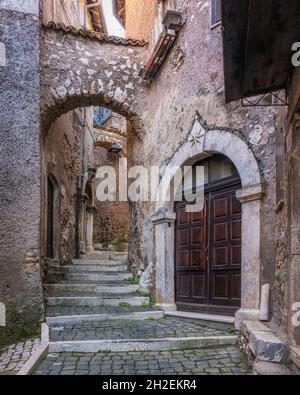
(201, 143)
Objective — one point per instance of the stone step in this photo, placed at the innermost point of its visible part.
(97, 301)
(127, 345)
(63, 311)
(134, 316)
(91, 288)
(91, 277)
(130, 335)
(88, 269)
(100, 263)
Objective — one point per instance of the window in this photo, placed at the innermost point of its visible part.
(215, 10)
(101, 115)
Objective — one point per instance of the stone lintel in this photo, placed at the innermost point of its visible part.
(251, 193)
(162, 216)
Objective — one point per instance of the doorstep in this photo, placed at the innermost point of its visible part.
(202, 317)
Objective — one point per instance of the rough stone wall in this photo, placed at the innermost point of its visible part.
(20, 279)
(111, 219)
(280, 290)
(81, 71)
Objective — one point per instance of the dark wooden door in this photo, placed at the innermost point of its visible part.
(208, 252)
(50, 220)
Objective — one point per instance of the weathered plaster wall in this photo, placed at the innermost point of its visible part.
(62, 158)
(20, 280)
(140, 16)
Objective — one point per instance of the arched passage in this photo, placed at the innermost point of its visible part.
(200, 144)
(81, 69)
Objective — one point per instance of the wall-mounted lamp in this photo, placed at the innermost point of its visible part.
(173, 20)
(115, 149)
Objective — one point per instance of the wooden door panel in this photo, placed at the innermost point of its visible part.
(184, 217)
(236, 230)
(197, 234)
(184, 286)
(220, 208)
(236, 287)
(221, 256)
(198, 259)
(184, 237)
(225, 248)
(236, 255)
(199, 289)
(183, 259)
(221, 232)
(208, 251)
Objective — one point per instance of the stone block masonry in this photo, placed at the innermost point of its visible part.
(20, 281)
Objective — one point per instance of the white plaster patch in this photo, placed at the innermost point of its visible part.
(27, 6)
(2, 55)
(2, 314)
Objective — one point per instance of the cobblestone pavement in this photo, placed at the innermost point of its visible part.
(85, 310)
(149, 329)
(226, 360)
(13, 357)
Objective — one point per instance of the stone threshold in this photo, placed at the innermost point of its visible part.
(201, 317)
(104, 317)
(124, 345)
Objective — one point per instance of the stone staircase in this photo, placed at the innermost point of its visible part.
(91, 288)
(93, 307)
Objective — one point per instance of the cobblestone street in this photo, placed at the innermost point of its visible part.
(13, 357)
(210, 361)
(147, 329)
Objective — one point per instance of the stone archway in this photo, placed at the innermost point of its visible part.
(199, 143)
(82, 69)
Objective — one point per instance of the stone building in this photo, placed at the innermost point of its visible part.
(166, 78)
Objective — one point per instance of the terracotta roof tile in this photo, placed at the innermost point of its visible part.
(94, 35)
